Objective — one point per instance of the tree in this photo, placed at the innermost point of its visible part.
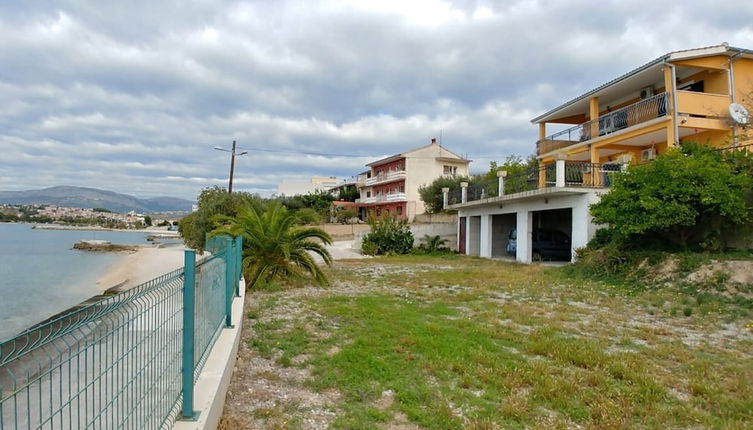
(678, 196)
(431, 194)
(148, 221)
(275, 246)
(194, 227)
(514, 165)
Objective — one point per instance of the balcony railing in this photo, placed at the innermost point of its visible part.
(636, 113)
(574, 174)
(385, 177)
(391, 197)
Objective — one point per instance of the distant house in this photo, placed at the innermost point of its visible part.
(293, 188)
(681, 96)
(390, 186)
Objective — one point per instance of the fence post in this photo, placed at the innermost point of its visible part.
(189, 309)
(239, 262)
(501, 178)
(464, 192)
(229, 289)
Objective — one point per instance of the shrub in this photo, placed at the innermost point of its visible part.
(388, 236)
(677, 197)
(432, 245)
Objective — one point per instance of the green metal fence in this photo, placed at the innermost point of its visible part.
(128, 361)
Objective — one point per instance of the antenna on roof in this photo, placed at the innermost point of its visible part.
(440, 137)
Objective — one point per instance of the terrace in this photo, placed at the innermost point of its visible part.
(566, 177)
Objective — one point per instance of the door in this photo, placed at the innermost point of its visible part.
(461, 236)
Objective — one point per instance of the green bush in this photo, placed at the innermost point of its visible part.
(432, 245)
(679, 198)
(388, 236)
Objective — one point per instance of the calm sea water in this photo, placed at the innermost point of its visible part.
(40, 275)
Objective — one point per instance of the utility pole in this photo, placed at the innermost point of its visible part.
(232, 164)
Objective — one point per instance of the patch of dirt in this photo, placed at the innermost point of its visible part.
(666, 270)
(734, 272)
(262, 393)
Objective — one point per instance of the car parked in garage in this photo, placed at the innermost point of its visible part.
(547, 244)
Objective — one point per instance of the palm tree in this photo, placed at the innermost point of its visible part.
(275, 246)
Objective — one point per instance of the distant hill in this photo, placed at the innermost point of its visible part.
(82, 197)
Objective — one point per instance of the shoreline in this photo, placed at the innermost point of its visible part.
(145, 263)
(160, 230)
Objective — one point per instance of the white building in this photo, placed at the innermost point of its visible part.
(293, 188)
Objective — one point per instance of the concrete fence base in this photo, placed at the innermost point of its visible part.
(214, 380)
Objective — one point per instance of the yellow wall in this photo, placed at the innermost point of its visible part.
(743, 69)
(716, 138)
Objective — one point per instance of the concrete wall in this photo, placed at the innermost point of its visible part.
(446, 231)
(436, 218)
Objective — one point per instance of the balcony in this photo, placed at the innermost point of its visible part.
(629, 116)
(384, 198)
(385, 177)
(562, 174)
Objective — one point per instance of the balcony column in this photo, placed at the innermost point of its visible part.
(501, 178)
(464, 192)
(445, 197)
(669, 89)
(542, 131)
(542, 176)
(595, 173)
(560, 172)
(485, 239)
(523, 246)
(593, 105)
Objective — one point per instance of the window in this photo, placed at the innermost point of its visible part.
(368, 194)
(399, 210)
(379, 212)
(450, 170)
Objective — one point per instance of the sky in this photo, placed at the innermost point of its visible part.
(133, 96)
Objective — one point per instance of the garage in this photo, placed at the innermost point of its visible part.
(552, 235)
(502, 226)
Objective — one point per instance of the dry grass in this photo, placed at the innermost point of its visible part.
(453, 342)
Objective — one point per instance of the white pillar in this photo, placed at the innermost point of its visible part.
(464, 192)
(583, 228)
(445, 197)
(486, 236)
(501, 177)
(560, 172)
(523, 244)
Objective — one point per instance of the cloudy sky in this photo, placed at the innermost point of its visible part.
(132, 96)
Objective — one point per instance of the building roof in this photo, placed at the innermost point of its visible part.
(641, 76)
(410, 151)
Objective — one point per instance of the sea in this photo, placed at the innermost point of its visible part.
(41, 275)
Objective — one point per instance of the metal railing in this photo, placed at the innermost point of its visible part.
(127, 361)
(385, 176)
(575, 174)
(628, 116)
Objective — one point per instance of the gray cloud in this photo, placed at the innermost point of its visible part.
(133, 96)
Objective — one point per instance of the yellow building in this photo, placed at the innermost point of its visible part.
(681, 96)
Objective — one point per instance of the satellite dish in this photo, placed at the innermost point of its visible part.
(739, 114)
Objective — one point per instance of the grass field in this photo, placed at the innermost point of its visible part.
(463, 343)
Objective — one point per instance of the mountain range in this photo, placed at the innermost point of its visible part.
(94, 198)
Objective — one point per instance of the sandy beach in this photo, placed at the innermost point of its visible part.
(146, 263)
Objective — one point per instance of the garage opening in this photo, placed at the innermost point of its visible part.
(552, 235)
(502, 229)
